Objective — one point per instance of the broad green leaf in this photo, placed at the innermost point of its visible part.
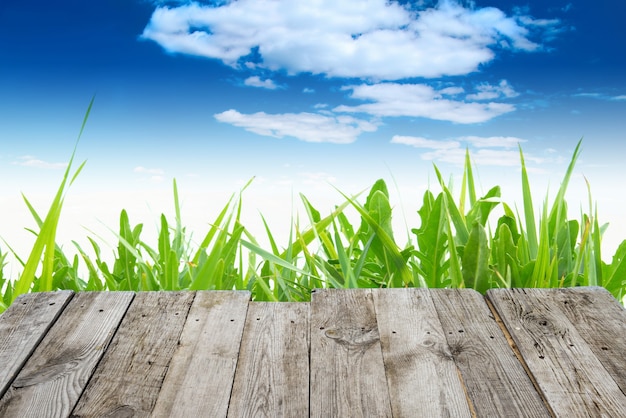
(475, 260)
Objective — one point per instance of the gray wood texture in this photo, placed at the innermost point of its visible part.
(569, 375)
(601, 321)
(200, 376)
(422, 376)
(495, 381)
(56, 374)
(272, 378)
(23, 326)
(347, 369)
(347, 353)
(129, 377)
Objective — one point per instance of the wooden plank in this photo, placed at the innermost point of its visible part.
(202, 370)
(601, 320)
(54, 377)
(421, 373)
(128, 379)
(495, 380)
(347, 370)
(272, 378)
(571, 378)
(23, 326)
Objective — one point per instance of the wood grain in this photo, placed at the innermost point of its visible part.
(347, 369)
(421, 372)
(272, 378)
(129, 377)
(348, 353)
(202, 370)
(601, 321)
(495, 380)
(571, 378)
(23, 326)
(54, 377)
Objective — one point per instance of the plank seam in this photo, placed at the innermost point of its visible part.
(243, 330)
(370, 295)
(469, 401)
(169, 361)
(518, 355)
(104, 351)
(4, 390)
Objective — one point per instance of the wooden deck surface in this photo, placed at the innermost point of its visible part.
(347, 353)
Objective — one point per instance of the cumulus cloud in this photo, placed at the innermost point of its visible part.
(373, 39)
(489, 92)
(255, 81)
(309, 127)
(493, 151)
(31, 161)
(420, 100)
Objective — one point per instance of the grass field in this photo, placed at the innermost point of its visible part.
(460, 242)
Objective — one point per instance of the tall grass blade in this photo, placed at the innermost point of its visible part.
(529, 211)
(45, 242)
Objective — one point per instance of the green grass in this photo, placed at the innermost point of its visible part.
(459, 243)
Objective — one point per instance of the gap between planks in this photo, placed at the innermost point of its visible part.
(518, 354)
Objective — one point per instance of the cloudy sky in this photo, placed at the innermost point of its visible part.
(303, 95)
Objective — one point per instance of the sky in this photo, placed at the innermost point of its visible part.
(304, 97)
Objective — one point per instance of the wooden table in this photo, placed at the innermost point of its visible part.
(347, 353)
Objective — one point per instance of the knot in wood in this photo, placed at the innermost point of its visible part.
(354, 337)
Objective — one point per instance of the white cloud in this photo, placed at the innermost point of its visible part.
(255, 81)
(309, 127)
(419, 142)
(492, 141)
(308, 90)
(373, 39)
(31, 161)
(600, 96)
(420, 100)
(593, 95)
(452, 91)
(155, 175)
(479, 157)
(482, 152)
(144, 170)
(489, 92)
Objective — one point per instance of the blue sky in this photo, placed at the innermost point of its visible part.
(303, 95)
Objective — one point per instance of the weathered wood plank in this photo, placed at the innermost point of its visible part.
(601, 321)
(23, 326)
(421, 374)
(200, 376)
(272, 378)
(129, 377)
(347, 369)
(495, 381)
(571, 378)
(54, 377)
